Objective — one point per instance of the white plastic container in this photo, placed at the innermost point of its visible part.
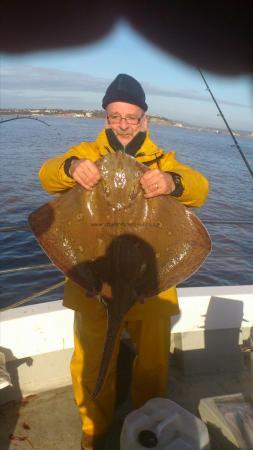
(162, 424)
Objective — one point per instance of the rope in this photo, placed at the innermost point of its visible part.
(15, 228)
(42, 266)
(19, 269)
(213, 222)
(31, 297)
(226, 222)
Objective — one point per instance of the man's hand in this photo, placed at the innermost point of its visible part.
(155, 182)
(85, 172)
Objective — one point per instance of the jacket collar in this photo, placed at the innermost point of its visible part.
(131, 148)
(148, 149)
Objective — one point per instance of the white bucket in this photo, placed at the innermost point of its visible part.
(163, 425)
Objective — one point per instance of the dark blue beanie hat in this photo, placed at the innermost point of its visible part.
(125, 89)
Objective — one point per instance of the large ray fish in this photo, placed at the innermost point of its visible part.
(118, 245)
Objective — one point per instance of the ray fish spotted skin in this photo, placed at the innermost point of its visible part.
(118, 245)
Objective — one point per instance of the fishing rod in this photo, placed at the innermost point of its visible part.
(25, 117)
(227, 125)
(31, 118)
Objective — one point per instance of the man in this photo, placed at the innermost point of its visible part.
(148, 323)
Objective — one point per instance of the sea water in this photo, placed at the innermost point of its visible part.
(228, 213)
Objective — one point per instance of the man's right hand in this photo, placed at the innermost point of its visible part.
(85, 172)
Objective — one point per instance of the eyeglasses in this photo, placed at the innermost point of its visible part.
(117, 118)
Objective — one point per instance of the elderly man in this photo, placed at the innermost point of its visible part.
(148, 324)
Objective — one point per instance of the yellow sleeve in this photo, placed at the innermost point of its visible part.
(194, 183)
(52, 176)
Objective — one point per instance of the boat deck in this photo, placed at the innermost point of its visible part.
(50, 421)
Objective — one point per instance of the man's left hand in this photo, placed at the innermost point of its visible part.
(155, 182)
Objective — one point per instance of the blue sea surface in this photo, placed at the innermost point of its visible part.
(228, 213)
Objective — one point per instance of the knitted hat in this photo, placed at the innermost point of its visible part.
(125, 89)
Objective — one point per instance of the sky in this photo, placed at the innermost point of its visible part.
(77, 78)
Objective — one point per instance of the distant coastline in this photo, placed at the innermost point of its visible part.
(100, 114)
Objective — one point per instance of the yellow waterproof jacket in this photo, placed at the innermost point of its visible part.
(54, 180)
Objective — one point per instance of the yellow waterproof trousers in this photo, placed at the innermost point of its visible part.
(151, 336)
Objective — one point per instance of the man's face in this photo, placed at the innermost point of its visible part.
(126, 120)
